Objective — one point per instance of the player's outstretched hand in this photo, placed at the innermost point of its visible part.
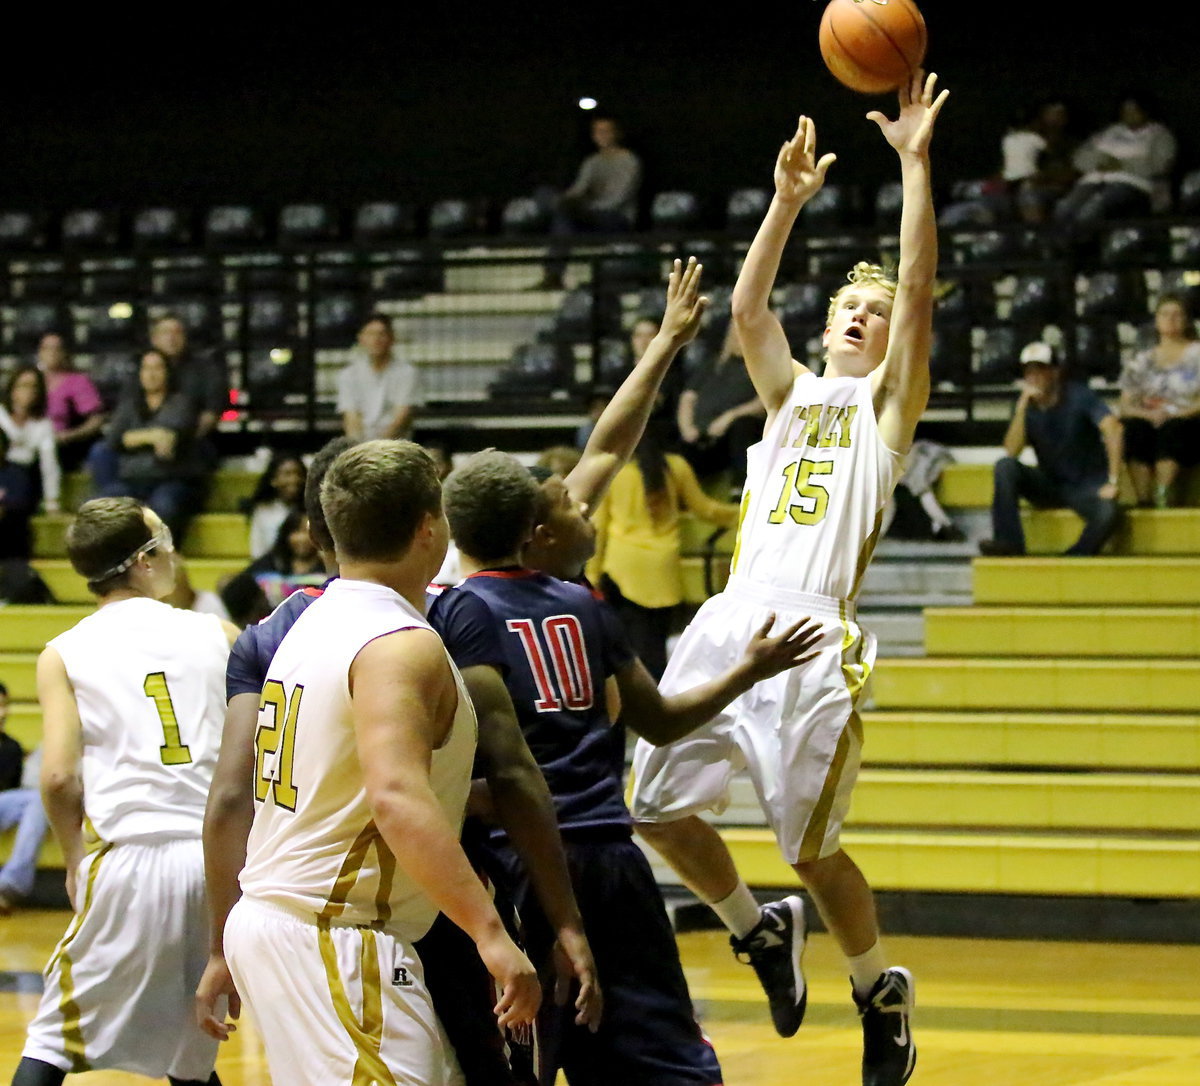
(573, 963)
(769, 656)
(520, 989)
(685, 303)
(215, 983)
(798, 172)
(911, 132)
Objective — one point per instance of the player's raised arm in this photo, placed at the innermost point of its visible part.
(62, 761)
(901, 382)
(798, 176)
(403, 697)
(661, 720)
(620, 426)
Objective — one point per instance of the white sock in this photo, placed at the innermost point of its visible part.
(865, 969)
(738, 911)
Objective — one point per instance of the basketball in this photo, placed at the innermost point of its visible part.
(872, 46)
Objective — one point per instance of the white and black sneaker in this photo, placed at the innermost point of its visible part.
(774, 948)
(889, 1053)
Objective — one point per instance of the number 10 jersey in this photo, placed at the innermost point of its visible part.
(816, 487)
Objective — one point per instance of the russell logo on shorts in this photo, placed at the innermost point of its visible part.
(400, 978)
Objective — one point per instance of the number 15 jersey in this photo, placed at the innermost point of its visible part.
(816, 487)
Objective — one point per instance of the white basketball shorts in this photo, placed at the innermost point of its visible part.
(797, 734)
(120, 987)
(336, 1005)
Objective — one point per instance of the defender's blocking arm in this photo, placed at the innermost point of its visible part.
(661, 720)
(620, 426)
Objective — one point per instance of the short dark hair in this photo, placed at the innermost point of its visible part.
(104, 533)
(491, 503)
(379, 318)
(317, 471)
(375, 496)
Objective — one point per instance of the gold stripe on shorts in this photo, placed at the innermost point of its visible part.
(72, 1031)
(369, 1068)
(855, 674)
(737, 539)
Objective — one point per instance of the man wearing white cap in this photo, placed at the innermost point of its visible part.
(1078, 442)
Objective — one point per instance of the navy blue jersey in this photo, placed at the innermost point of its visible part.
(558, 644)
(256, 645)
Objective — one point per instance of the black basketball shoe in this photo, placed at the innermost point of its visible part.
(889, 1053)
(774, 948)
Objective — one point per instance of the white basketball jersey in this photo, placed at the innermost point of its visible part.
(816, 487)
(149, 682)
(314, 848)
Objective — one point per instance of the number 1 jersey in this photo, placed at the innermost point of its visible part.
(816, 487)
(149, 684)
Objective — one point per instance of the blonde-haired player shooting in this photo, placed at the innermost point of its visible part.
(816, 488)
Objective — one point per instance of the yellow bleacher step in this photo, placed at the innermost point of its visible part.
(227, 489)
(27, 628)
(694, 589)
(694, 534)
(1086, 740)
(1060, 581)
(999, 863)
(1105, 684)
(210, 535)
(49, 857)
(969, 486)
(1049, 631)
(24, 720)
(19, 671)
(1142, 531)
(964, 799)
(68, 587)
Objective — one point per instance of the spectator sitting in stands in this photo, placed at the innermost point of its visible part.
(1126, 171)
(1078, 442)
(378, 391)
(602, 199)
(279, 491)
(16, 506)
(1038, 161)
(30, 434)
(637, 561)
(244, 599)
(152, 433)
(199, 379)
(20, 806)
(913, 511)
(720, 415)
(559, 459)
(73, 404)
(187, 598)
(1160, 405)
(604, 194)
(292, 562)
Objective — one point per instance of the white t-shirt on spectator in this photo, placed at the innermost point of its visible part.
(376, 395)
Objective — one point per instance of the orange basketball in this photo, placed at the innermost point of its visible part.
(872, 46)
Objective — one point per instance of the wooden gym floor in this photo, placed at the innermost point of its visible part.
(1004, 1013)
